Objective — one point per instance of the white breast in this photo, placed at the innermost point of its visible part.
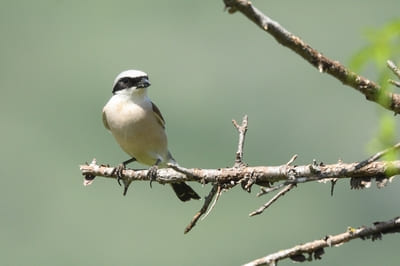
(136, 129)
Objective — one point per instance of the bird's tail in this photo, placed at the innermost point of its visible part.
(184, 192)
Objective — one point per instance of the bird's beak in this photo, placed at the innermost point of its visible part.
(144, 83)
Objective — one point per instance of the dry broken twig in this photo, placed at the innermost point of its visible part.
(242, 129)
(371, 90)
(316, 248)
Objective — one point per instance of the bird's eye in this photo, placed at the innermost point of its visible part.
(125, 81)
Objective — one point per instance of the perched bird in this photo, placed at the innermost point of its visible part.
(139, 128)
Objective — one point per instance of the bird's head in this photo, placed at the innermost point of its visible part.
(129, 81)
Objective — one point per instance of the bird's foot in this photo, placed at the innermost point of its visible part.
(152, 173)
(118, 172)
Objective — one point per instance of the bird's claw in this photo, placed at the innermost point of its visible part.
(118, 172)
(152, 173)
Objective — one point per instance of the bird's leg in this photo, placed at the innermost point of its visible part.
(152, 172)
(118, 170)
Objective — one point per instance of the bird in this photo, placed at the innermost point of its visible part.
(139, 128)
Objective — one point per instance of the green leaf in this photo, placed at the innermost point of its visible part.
(383, 44)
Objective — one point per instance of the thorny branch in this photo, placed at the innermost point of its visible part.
(361, 175)
(261, 174)
(316, 248)
(371, 90)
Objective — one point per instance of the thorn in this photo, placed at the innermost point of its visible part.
(333, 183)
(294, 157)
(126, 186)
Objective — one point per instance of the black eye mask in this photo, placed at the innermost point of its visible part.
(126, 82)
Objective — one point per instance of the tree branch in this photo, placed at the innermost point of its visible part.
(316, 247)
(225, 178)
(371, 90)
(261, 174)
(394, 68)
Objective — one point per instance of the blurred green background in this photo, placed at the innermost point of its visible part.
(58, 62)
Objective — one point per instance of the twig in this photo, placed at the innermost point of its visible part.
(266, 190)
(219, 192)
(395, 83)
(183, 170)
(377, 156)
(371, 90)
(316, 247)
(277, 196)
(291, 175)
(242, 129)
(203, 209)
(394, 68)
(294, 157)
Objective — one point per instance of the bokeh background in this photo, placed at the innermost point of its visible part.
(58, 61)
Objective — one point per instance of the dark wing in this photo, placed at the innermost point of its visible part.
(158, 115)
